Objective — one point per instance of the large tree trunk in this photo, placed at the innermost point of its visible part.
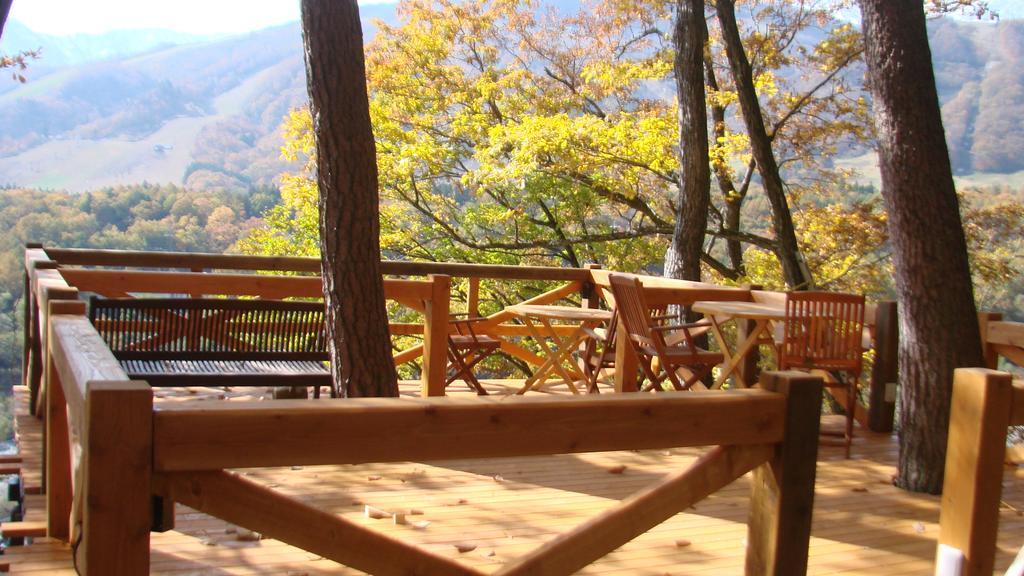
(793, 269)
(937, 316)
(357, 322)
(684, 254)
(733, 198)
(5, 9)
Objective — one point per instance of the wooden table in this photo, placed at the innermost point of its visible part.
(720, 312)
(539, 321)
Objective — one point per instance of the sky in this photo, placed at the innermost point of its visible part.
(204, 16)
(61, 17)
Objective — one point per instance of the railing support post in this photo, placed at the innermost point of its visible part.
(473, 297)
(989, 351)
(980, 412)
(435, 336)
(36, 327)
(747, 371)
(118, 460)
(782, 496)
(57, 437)
(626, 363)
(884, 373)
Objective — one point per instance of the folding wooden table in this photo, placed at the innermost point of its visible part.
(540, 321)
(721, 312)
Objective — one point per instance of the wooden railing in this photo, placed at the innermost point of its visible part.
(116, 273)
(985, 402)
(209, 274)
(110, 451)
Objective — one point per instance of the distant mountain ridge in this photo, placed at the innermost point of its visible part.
(75, 49)
(205, 112)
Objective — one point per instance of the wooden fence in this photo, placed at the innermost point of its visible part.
(110, 451)
(985, 402)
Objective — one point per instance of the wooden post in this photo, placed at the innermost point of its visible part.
(435, 336)
(473, 299)
(980, 412)
(590, 295)
(884, 373)
(118, 460)
(782, 497)
(58, 481)
(989, 350)
(625, 363)
(49, 294)
(747, 371)
(37, 362)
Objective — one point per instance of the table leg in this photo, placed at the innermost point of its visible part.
(540, 375)
(563, 348)
(716, 329)
(745, 347)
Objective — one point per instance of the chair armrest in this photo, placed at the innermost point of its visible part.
(453, 320)
(686, 326)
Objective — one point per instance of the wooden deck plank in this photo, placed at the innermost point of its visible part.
(862, 524)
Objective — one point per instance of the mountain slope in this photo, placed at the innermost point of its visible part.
(206, 113)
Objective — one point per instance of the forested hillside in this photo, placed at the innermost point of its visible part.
(140, 217)
(205, 114)
(980, 73)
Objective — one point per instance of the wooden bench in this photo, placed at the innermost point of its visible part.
(216, 342)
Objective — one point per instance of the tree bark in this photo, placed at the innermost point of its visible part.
(5, 9)
(357, 322)
(937, 316)
(732, 197)
(684, 254)
(788, 252)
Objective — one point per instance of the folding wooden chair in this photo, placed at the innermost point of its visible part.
(466, 349)
(648, 339)
(823, 330)
(598, 351)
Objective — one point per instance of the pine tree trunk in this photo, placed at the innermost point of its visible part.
(937, 317)
(683, 258)
(357, 322)
(5, 9)
(794, 272)
(733, 197)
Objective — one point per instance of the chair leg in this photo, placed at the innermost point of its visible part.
(464, 369)
(698, 374)
(851, 407)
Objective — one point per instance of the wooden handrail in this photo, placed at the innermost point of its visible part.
(1005, 339)
(119, 283)
(192, 260)
(295, 432)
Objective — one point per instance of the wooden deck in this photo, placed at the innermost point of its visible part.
(486, 512)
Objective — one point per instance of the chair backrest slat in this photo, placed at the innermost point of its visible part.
(823, 330)
(632, 308)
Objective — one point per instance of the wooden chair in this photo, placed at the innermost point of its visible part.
(824, 330)
(598, 351)
(466, 349)
(648, 339)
